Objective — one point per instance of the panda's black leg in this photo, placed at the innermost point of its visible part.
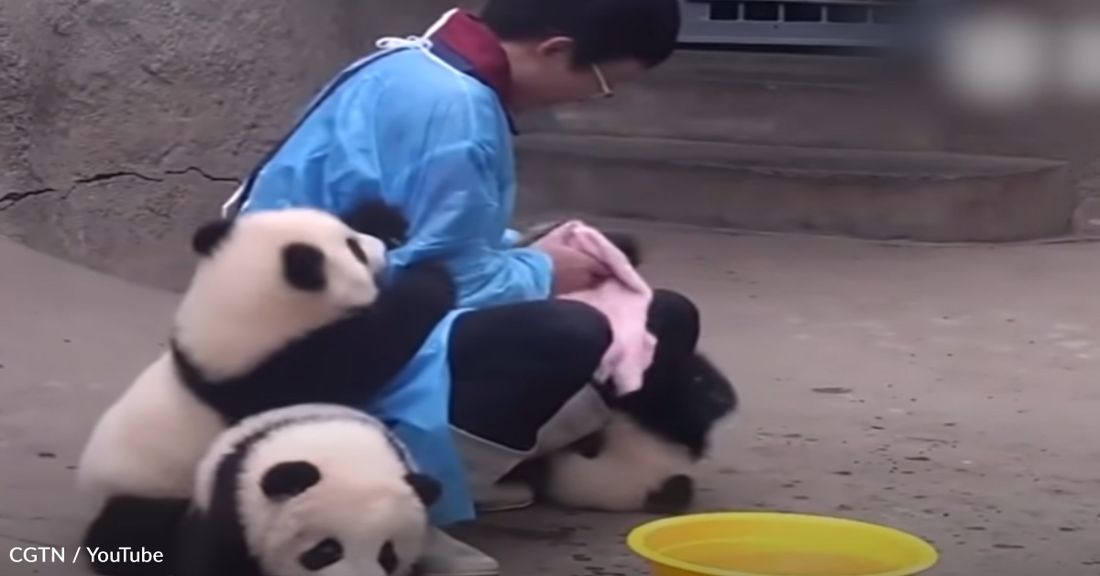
(137, 523)
(404, 315)
(417, 569)
(532, 472)
(590, 446)
(675, 496)
(628, 244)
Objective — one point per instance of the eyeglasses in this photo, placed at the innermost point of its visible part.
(605, 89)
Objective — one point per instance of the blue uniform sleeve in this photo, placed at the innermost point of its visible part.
(458, 216)
(511, 236)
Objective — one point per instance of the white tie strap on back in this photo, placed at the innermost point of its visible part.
(235, 205)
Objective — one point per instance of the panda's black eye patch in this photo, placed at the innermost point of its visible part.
(357, 251)
(288, 479)
(304, 267)
(326, 553)
(387, 558)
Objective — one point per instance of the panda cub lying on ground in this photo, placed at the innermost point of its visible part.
(642, 461)
(314, 489)
(650, 448)
(285, 307)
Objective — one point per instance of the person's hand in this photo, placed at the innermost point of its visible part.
(574, 270)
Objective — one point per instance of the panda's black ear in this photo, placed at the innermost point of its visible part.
(381, 220)
(628, 244)
(288, 479)
(210, 235)
(427, 488)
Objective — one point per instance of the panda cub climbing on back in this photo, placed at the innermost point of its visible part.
(285, 307)
(643, 459)
(284, 304)
(317, 490)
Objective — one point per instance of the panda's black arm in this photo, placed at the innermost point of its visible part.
(389, 333)
(425, 288)
(628, 244)
(379, 219)
(408, 308)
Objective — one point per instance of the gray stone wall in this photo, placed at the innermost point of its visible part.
(1070, 134)
(123, 123)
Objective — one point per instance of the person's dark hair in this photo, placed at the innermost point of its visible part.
(603, 30)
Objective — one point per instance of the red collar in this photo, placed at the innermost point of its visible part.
(479, 50)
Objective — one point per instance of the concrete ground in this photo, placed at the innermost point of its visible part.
(948, 391)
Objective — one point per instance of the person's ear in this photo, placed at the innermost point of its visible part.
(557, 46)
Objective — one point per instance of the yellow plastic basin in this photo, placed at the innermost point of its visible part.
(777, 544)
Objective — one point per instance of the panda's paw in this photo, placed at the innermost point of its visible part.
(628, 245)
(675, 495)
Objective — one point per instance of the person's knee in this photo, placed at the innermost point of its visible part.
(672, 313)
(576, 330)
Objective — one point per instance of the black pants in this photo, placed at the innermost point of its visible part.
(513, 367)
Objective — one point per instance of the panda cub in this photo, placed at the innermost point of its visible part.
(314, 489)
(285, 307)
(655, 437)
(284, 304)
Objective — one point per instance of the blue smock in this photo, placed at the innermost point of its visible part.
(409, 126)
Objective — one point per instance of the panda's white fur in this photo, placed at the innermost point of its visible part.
(306, 485)
(127, 452)
(631, 465)
(278, 312)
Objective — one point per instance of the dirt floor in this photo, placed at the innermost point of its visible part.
(947, 391)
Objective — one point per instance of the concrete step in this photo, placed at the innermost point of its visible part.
(775, 99)
(925, 196)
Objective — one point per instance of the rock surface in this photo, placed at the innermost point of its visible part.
(125, 122)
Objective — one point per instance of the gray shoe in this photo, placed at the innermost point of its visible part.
(447, 556)
(486, 463)
(502, 497)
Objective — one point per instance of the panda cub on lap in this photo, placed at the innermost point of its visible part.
(642, 461)
(285, 307)
(313, 489)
